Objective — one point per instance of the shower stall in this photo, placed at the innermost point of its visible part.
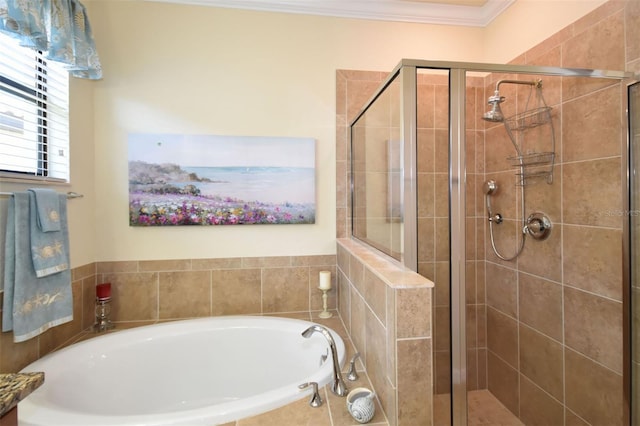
(505, 185)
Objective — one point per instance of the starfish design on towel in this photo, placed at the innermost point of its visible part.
(46, 252)
(38, 301)
(54, 216)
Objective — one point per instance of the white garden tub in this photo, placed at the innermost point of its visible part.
(194, 372)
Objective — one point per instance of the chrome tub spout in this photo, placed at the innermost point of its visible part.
(337, 386)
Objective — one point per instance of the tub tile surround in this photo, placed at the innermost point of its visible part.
(163, 291)
(145, 292)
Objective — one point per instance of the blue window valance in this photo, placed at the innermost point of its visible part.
(60, 28)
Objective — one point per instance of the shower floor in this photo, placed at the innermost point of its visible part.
(484, 409)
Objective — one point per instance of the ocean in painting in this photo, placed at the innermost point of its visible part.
(265, 184)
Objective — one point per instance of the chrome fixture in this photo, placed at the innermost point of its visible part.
(530, 162)
(490, 187)
(316, 399)
(337, 386)
(495, 115)
(352, 374)
(538, 226)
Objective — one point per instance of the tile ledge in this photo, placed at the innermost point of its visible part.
(393, 273)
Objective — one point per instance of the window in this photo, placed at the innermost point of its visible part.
(34, 114)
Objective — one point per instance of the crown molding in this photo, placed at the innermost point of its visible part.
(387, 10)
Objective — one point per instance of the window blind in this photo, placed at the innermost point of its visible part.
(34, 114)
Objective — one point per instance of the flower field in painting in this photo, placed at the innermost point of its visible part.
(151, 209)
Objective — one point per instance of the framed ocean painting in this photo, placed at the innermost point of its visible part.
(179, 180)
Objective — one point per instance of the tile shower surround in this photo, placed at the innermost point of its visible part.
(544, 332)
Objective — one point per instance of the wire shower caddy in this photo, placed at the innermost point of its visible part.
(532, 163)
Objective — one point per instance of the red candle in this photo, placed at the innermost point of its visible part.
(103, 291)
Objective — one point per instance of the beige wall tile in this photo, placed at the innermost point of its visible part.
(592, 193)
(426, 106)
(541, 361)
(414, 382)
(358, 323)
(88, 301)
(425, 140)
(501, 289)
(266, 262)
(376, 350)
(15, 356)
(540, 305)
(503, 382)
(537, 408)
(592, 259)
(632, 17)
(184, 294)
(164, 265)
(375, 292)
(502, 336)
(88, 270)
(225, 263)
(592, 391)
(285, 289)
(412, 306)
(344, 299)
(442, 372)
(593, 326)
(295, 413)
(121, 266)
(597, 46)
(543, 258)
(591, 125)
(135, 296)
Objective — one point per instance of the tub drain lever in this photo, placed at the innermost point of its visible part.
(315, 400)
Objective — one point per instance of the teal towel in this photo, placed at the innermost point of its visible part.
(31, 305)
(47, 209)
(48, 249)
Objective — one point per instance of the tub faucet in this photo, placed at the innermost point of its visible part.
(337, 387)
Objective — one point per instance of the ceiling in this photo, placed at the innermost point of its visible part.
(476, 13)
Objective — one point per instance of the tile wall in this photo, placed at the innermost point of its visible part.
(386, 312)
(554, 315)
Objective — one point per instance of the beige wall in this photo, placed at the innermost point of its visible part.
(202, 70)
(221, 71)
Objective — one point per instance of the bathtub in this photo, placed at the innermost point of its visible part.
(193, 372)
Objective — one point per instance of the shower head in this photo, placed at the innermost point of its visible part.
(495, 115)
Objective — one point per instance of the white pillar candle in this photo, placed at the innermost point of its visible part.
(325, 280)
